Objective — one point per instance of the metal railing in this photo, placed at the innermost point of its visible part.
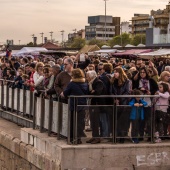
(24, 108)
(114, 134)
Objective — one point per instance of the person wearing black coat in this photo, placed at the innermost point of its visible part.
(98, 117)
(77, 87)
(121, 85)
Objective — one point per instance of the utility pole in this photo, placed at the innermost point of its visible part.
(51, 34)
(33, 38)
(62, 34)
(42, 36)
(105, 19)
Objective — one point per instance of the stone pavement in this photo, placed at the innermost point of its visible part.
(10, 128)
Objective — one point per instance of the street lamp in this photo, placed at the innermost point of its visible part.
(105, 19)
(19, 41)
(62, 34)
(42, 36)
(33, 37)
(51, 35)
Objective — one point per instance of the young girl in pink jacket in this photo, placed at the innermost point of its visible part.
(161, 111)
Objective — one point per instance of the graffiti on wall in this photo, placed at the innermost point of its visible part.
(153, 159)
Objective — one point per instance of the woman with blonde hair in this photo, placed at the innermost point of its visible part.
(164, 77)
(77, 87)
(38, 75)
(121, 85)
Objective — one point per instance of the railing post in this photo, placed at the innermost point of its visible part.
(24, 102)
(60, 110)
(114, 122)
(2, 95)
(74, 123)
(69, 119)
(50, 115)
(34, 112)
(18, 100)
(7, 97)
(12, 100)
(152, 121)
(42, 113)
(32, 102)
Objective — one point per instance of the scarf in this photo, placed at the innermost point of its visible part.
(145, 84)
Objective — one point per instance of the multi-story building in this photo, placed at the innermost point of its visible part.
(80, 33)
(125, 27)
(102, 27)
(140, 22)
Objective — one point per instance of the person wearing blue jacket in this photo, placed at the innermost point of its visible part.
(137, 114)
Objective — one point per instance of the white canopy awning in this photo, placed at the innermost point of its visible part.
(158, 54)
(30, 50)
(106, 51)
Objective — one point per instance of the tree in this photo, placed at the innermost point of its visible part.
(99, 43)
(121, 40)
(78, 43)
(30, 44)
(139, 39)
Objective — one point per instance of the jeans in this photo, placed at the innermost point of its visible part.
(104, 125)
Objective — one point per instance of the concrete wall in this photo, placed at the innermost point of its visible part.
(103, 156)
(16, 155)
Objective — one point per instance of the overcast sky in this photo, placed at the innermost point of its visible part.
(22, 18)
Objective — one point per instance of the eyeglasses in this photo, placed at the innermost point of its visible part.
(142, 72)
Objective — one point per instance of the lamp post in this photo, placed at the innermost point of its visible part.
(42, 36)
(62, 34)
(105, 19)
(19, 41)
(33, 37)
(51, 35)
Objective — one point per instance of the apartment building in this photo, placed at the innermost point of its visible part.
(140, 22)
(102, 28)
(79, 33)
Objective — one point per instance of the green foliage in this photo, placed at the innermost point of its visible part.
(30, 44)
(99, 43)
(139, 39)
(121, 40)
(78, 43)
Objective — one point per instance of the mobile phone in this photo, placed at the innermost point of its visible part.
(82, 57)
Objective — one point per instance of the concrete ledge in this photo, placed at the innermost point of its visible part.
(100, 156)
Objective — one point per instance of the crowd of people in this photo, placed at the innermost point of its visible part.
(96, 76)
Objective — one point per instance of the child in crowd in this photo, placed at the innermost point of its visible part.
(18, 79)
(136, 115)
(25, 79)
(161, 111)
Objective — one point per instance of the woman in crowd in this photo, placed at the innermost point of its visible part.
(121, 85)
(38, 75)
(148, 87)
(79, 87)
(98, 115)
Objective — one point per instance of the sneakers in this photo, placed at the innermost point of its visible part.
(135, 140)
(93, 140)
